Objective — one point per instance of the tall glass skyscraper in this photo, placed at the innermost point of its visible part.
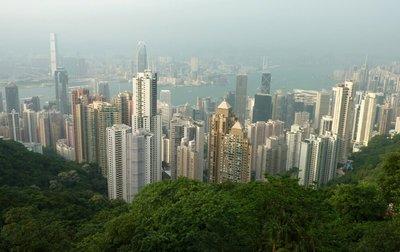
(141, 57)
(12, 98)
(61, 83)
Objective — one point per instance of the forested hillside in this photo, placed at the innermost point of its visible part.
(47, 204)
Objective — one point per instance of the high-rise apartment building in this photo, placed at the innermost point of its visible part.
(145, 117)
(79, 100)
(14, 125)
(366, 119)
(30, 126)
(322, 105)
(294, 138)
(318, 160)
(220, 124)
(235, 156)
(343, 117)
(123, 102)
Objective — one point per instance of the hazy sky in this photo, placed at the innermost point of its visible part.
(187, 27)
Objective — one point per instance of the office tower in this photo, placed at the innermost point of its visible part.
(325, 124)
(12, 98)
(107, 116)
(32, 103)
(103, 89)
(321, 107)
(54, 61)
(366, 119)
(141, 57)
(145, 117)
(220, 124)
(30, 126)
(265, 87)
(188, 160)
(230, 97)
(61, 86)
(1, 102)
(235, 156)
(177, 126)
(13, 125)
(79, 99)
(386, 116)
(294, 138)
(165, 96)
(290, 109)
(123, 102)
(318, 160)
(241, 97)
(279, 106)
(262, 110)
(301, 118)
(342, 117)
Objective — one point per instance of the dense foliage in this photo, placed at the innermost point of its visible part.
(48, 204)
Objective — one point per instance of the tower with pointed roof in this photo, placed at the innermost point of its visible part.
(220, 124)
(235, 156)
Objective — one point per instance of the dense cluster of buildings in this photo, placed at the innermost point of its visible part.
(138, 137)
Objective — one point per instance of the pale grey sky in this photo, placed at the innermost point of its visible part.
(203, 26)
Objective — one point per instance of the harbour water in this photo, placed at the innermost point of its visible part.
(284, 78)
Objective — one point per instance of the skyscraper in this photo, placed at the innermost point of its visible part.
(12, 98)
(1, 102)
(13, 125)
(321, 107)
(123, 102)
(343, 117)
(386, 117)
(293, 142)
(177, 130)
(262, 110)
(32, 103)
(117, 152)
(103, 89)
(220, 124)
(107, 116)
(54, 61)
(61, 86)
(265, 87)
(241, 97)
(188, 160)
(145, 117)
(30, 126)
(366, 119)
(79, 99)
(318, 160)
(142, 64)
(235, 156)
